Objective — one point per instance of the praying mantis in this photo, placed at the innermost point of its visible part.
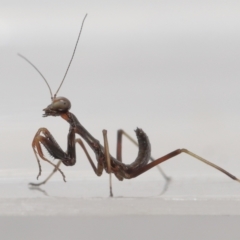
(60, 107)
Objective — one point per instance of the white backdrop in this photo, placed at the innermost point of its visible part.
(169, 67)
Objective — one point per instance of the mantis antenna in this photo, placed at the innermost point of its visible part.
(38, 72)
(52, 97)
(72, 56)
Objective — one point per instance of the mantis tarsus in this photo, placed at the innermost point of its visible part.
(60, 106)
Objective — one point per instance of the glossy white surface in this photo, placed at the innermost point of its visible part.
(88, 196)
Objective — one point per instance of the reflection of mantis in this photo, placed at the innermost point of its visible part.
(60, 107)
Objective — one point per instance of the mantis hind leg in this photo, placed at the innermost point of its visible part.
(175, 153)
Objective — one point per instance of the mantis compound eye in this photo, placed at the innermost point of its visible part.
(61, 104)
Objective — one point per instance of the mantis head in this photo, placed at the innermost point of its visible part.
(58, 106)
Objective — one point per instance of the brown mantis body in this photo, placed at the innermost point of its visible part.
(60, 106)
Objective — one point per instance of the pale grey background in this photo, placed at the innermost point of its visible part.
(169, 67)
